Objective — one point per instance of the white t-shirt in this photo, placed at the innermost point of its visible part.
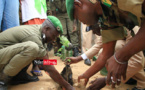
(29, 11)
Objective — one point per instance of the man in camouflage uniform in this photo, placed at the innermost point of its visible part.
(58, 9)
(112, 18)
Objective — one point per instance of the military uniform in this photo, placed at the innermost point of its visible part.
(112, 29)
(19, 46)
(111, 24)
(60, 8)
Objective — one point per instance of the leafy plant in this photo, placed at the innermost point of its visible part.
(64, 41)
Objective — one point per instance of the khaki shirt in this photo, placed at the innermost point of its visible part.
(21, 34)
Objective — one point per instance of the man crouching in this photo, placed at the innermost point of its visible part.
(19, 46)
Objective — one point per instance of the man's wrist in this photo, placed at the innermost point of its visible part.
(86, 75)
(122, 57)
(79, 58)
(119, 62)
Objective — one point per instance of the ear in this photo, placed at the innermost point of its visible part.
(47, 28)
(77, 3)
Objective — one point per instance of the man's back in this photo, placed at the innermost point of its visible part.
(19, 34)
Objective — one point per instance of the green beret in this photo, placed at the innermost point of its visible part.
(56, 23)
(70, 8)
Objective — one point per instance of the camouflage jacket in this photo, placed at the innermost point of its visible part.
(114, 17)
(114, 20)
(58, 5)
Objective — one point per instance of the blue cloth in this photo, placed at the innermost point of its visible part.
(9, 14)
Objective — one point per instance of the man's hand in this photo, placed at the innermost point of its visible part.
(73, 60)
(54, 74)
(83, 77)
(97, 84)
(115, 72)
(74, 28)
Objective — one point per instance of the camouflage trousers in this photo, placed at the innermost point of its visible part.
(67, 30)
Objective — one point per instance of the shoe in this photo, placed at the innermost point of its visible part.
(131, 82)
(4, 80)
(87, 62)
(36, 73)
(3, 86)
(76, 52)
(22, 78)
(135, 88)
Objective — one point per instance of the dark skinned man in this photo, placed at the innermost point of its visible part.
(112, 16)
(19, 46)
(134, 70)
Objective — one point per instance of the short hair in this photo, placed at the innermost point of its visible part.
(48, 23)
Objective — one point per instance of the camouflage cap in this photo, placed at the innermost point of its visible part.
(70, 8)
(56, 23)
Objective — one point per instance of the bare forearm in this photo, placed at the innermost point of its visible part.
(108, 51)
(55, 75)
(98, 65)
(79, 58)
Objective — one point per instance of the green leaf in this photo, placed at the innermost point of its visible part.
(68, 60)
(64, 41)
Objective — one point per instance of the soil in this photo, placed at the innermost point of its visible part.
(46, 83)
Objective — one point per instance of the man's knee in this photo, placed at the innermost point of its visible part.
(119, 44)
(32, 48)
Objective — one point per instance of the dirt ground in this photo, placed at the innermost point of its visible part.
(46, 83)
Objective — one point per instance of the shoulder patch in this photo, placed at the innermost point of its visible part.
(107, 3)
(93, 1)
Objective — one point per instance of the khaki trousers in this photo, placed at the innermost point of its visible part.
(135, 67)
(15, 57)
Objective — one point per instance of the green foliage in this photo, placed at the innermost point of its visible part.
(64, 41)
(68, 60)
(64, 53)
(58, 54)
(59, 50)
